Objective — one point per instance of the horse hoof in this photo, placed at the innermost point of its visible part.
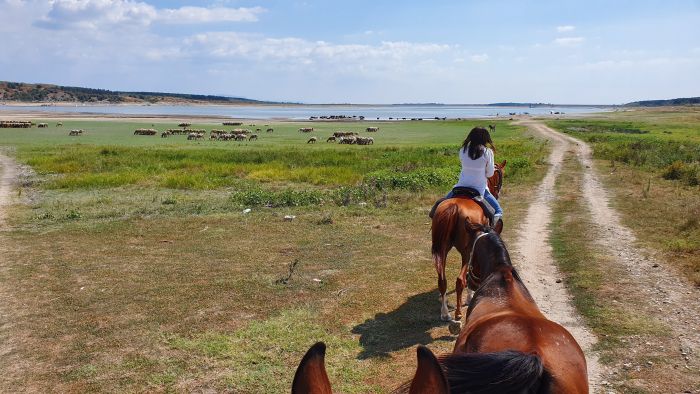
(455, 327)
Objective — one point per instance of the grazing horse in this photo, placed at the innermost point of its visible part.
(492, 128)
(507, 343)
(449, 230)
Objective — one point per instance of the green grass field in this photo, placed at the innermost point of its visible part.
(133, 267)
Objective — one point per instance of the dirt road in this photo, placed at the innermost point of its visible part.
(533, 257)
(663, 292)
(8, 175)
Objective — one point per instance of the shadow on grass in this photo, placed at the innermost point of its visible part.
(406, 326)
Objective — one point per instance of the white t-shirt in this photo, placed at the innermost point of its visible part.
(475, 172)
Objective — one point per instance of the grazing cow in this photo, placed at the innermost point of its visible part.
(312, 140)
(372, 129)
(42, 125)
(253, 137)
(492, 128)
(257, 130)
(75, 133)
(164, 134)
(306, 129)
(338, 134)
(270, 130)
(239, 137)
(184, 124)
(348, 140)
(145, 132)
(195, 136)
(364, 140)
(59, 124)
(331, 139)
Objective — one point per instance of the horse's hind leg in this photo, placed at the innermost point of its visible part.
(460, 285)
(442, 286)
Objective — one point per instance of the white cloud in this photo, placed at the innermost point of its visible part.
(229, 45)
(479, 58)
(565, 29)
(569, 41)
(203, 15)
(96, 14)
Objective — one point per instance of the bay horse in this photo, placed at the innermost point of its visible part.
(507, 344)
(449, 230)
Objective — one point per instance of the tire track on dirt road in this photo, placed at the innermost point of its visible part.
(538, 269)
(9, 364)
(8, 176)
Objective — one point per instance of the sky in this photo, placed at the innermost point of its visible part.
(361, 51)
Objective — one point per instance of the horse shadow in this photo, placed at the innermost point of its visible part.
(406, 326)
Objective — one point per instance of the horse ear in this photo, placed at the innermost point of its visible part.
(311, 376)
(503, 164)
(429, 378)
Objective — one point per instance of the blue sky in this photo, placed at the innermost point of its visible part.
(361, 51)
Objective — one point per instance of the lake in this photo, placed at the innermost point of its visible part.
(303, 112)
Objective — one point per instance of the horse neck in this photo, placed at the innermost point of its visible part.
(493, 182)
(503, 292)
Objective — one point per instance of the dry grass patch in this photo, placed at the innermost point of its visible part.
(662, 214)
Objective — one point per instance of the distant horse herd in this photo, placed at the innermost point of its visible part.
(506, 344)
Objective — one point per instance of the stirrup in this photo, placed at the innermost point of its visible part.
(495, 220)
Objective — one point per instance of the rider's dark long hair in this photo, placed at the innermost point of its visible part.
(479, 137)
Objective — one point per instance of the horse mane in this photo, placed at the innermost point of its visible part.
(496, 251)
(502, 372)
(507, 372)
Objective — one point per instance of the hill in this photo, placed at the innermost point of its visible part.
(663, 103)
(45, 93)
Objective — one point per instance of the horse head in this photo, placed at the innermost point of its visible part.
(495, 182)
(311, 377)
(488, 253)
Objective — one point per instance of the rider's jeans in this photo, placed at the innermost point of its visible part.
(494, 203)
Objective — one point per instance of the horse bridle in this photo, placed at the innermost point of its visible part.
(470, 275)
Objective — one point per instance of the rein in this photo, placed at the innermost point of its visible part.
(470, 275)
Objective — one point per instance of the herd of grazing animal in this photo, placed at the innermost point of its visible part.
(237, 134)
(16, 124)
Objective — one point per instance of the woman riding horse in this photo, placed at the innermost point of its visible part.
(477, 158)
(452, 214)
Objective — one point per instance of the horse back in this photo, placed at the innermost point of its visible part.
(450, 219)
(500, 331)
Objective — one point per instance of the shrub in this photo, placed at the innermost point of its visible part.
(284, 198)
(689, 174)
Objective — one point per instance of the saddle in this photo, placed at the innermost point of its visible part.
(471, 193)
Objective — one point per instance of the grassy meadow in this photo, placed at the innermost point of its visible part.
(650, 159)
(131, 265)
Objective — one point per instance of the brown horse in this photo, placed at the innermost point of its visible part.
(449, 230)
(508, 345)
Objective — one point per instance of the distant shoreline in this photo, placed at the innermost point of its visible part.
(264, 104)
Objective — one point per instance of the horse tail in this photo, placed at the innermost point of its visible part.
(503, 372)
(443, 232)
